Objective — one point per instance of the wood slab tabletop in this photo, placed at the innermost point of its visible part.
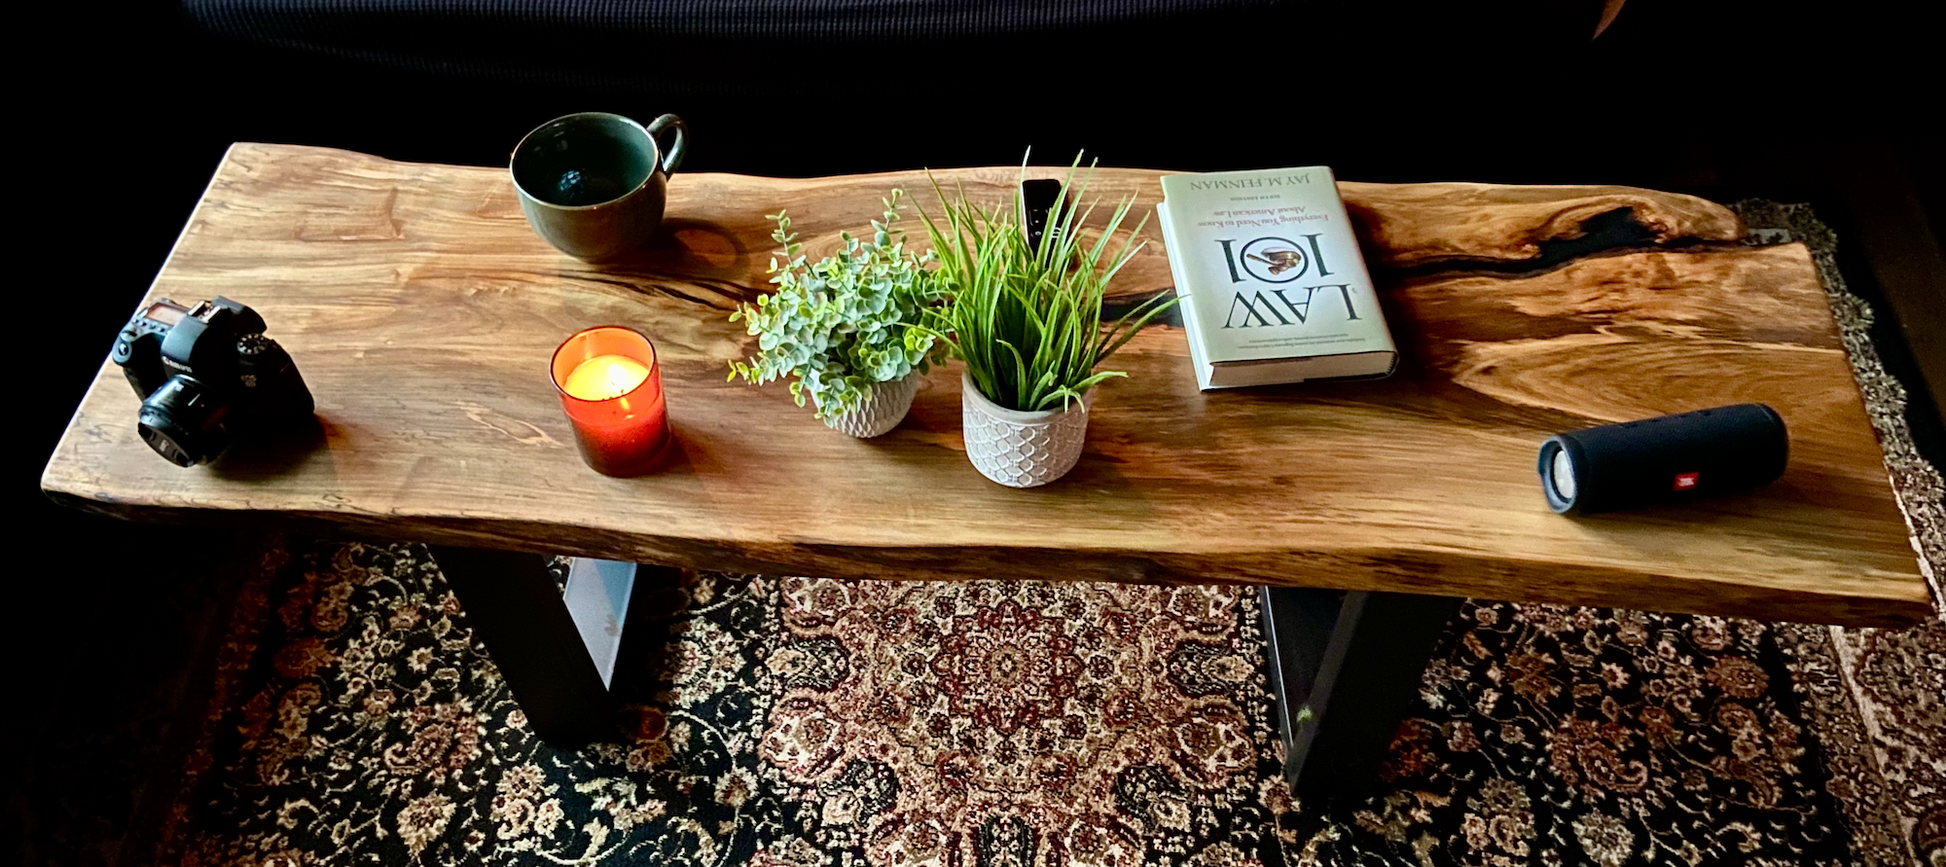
(423, 311)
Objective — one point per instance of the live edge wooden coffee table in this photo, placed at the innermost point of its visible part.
(422, 311)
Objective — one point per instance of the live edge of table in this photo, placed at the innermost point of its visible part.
(422, 312)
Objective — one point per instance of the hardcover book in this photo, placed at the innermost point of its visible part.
(1273, 286)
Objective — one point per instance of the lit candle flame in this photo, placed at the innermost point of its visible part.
(605, 377)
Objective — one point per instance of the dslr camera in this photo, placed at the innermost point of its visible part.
(207, 375)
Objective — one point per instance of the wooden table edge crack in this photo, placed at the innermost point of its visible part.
(430, 271)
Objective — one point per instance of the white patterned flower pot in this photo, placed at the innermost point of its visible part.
(881, 411)
(1022, 449)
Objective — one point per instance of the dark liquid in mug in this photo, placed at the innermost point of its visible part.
(577, 187)
(584, 163)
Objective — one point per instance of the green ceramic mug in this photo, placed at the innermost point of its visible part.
(593, 184)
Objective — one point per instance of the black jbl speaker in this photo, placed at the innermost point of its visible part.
(1662, 460)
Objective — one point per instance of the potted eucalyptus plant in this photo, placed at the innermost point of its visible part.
(849, 329)
(1026, 318)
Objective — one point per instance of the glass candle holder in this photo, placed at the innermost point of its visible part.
(611, 390)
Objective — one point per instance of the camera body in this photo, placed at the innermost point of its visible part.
(207, 376)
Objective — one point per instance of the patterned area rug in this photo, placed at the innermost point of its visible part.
(810, 722)
(793, 721)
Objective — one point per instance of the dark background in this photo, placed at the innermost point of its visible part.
(128, 110)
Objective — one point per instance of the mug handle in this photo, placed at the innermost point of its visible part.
(672, 157)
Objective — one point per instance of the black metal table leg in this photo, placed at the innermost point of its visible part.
(1345, 667)
(557, 651)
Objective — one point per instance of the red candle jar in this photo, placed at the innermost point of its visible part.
(612, 392)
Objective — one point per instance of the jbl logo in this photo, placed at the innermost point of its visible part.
(1685, 481)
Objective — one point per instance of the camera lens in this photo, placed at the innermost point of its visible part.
(183, 422)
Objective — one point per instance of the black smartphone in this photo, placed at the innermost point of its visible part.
(1038, 200)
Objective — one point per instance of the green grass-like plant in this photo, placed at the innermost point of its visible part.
(1026, 318)
(844, 323)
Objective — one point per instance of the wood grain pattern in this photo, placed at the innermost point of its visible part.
(423, 311)
(1414, 225)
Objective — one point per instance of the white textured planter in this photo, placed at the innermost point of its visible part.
(881, 411)
(1022, 449)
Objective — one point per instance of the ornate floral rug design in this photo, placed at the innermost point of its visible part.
(791, 722)
(810, 722)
